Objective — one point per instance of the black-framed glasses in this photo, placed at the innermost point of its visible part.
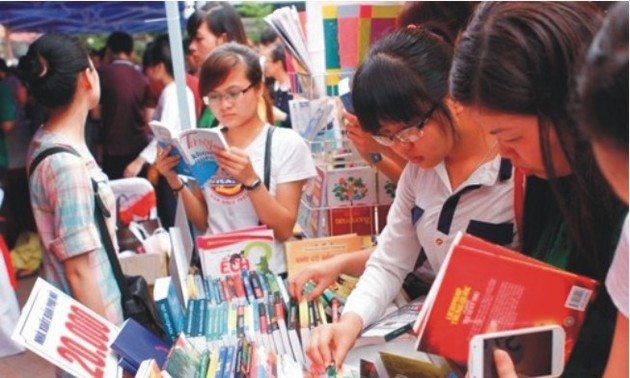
(409, 134)
(231, 96)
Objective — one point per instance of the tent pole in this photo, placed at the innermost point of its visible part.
(177, 54)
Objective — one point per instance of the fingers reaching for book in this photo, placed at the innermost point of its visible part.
(322, 274)
(330, 343)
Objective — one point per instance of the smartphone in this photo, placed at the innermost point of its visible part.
(536, 352)
(345, 95)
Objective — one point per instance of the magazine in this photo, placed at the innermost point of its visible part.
(483, 287)
(196, 147)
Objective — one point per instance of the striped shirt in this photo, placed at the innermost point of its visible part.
(62, 199)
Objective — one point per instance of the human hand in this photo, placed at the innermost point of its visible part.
(134, 168)
(505, 366)
(165, 164)
(362, 140)
(331, 342)
(324, 274)
(237, 163)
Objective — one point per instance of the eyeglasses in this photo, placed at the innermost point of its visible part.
(409, 134)
(230, 96)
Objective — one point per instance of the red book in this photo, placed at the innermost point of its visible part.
(483, 287)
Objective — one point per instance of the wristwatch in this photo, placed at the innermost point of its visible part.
(376, 157)
(253, 185)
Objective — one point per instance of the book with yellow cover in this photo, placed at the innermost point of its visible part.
(301, 253)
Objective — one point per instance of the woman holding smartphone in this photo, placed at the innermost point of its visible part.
(513, 70)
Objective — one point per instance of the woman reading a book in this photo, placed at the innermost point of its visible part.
(513, 70)
(236, 197)
(454, 179)
(61, 76)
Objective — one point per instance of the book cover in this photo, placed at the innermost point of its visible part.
(301, 253)
(347, 220)
(392, 325)
(354, 186)
(506, 290)
(196, 147)
(134, 344)
(65, 332)
(225, 254)
(148, 369)
(398, 365)
(169, 308)
(183, 360)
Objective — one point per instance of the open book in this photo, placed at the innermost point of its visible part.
(483, 287)
(196, 147)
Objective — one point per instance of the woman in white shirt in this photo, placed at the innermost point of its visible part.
(235, 197)
(454, 179)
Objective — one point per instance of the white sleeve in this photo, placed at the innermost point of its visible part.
(149, 154)
(617, 279)
(294, 161)
(394, 257)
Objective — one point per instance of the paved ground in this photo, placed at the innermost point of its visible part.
(27, 364)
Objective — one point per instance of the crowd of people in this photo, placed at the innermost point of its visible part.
(506, 120)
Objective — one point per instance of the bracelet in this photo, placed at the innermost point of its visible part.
(177, 190)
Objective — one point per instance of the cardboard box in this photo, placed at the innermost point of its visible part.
(149, 265)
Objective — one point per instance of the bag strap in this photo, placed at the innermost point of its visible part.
(100, 212)
(267, 166)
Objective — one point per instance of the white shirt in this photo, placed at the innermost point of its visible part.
(167, 112)
(617, 278)
(229, 206)
(420, 219)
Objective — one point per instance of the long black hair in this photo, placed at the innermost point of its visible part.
(520, 58)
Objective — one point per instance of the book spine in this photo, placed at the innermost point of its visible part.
(248, 286)
(164, 313)
(256, 284)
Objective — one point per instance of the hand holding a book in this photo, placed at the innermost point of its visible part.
(330, 343)
(237, 163)
(165, 164)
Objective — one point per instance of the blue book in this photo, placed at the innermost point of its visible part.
(196, 149)
(229, 361)
(169, 307)
(249, 291)
(134, 344)
(222, 361)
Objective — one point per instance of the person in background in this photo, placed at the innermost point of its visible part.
(8, 117)
(213, 25)
(192, 81)
(231, 80)
(276, 68)
(61, 76)
(158, 66)
(126, 106)
(513, 69)
(454, 181)
(602, 106)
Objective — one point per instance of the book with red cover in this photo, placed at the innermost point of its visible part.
(483, 287)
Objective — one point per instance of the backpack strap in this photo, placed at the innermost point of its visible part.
(46, 153)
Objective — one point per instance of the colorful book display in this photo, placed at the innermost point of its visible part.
(339, 201)
(482, 286)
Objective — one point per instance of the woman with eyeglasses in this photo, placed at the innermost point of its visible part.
(454, 179)
(231, 82)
